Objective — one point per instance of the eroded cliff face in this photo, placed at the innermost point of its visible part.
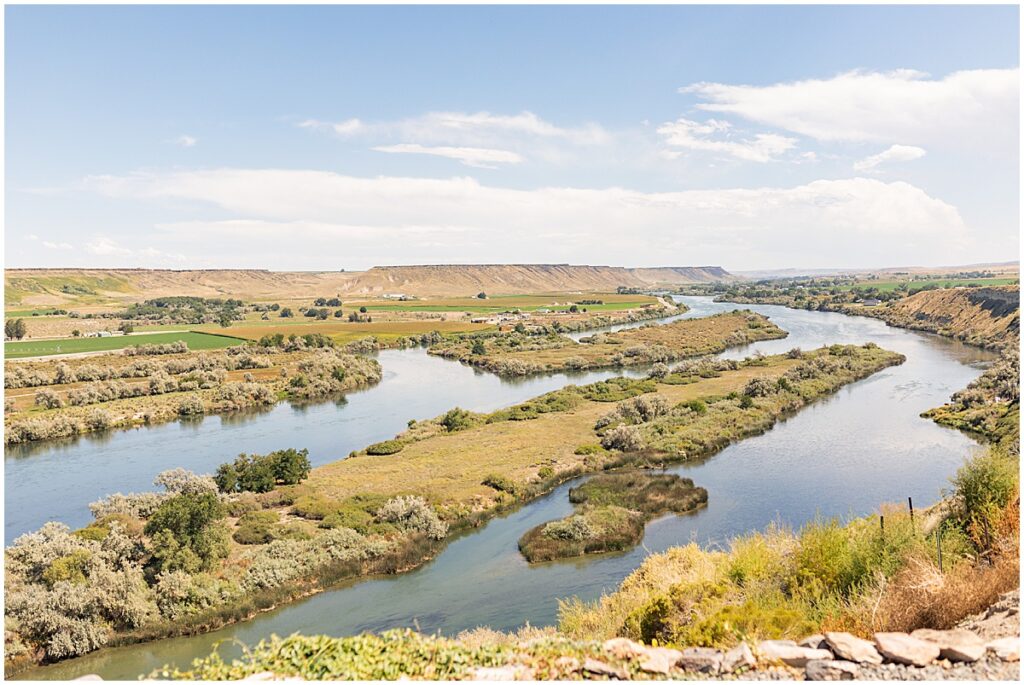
(981, 316)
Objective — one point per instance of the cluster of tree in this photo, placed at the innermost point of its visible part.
(15, 329)
(261, 473)
(310, 340)
(321, 313)
(184, 309)
(327, 302)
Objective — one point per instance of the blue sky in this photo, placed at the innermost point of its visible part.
(343, 137)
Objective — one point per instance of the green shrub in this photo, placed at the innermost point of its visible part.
(71, 568)
(386, 447)
(590, 448)
(314, 507)
(457, 419)
(501, 484)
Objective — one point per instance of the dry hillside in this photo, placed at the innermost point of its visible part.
(985, 316)
(43, 287)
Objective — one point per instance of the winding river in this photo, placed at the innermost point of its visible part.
(842, 456)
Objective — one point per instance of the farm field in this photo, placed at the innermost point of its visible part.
(345, 332)
(888, 286)
(38, 348)
(500, 303)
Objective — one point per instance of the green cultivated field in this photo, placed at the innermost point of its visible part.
(886, 286)
(39, 348)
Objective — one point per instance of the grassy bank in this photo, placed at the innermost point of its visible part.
(47, 400)
(517, 354)
(611, 511)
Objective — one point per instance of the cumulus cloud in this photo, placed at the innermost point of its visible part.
(895, 153)
(185, 140)
(695, 135)
(902, 105)
(848, 222)
(51, 245)
(483, 158)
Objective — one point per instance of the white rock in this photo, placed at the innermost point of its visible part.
(659, 660)
(623, 648)
(790, 653)
(502, 673)
(738, 657)
(813, 641)
(954, 645)
(852, 648)
(830, 669)
(601, 668)
(903, 649)
(1006, 648)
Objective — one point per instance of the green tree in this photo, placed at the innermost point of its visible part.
(286, 312)
(290, 466)
(478, 347)
(187, 524)
(15, 328)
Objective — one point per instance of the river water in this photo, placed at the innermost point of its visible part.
(842, 456)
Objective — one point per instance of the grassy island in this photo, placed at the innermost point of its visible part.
(519, 354)
(611, 511)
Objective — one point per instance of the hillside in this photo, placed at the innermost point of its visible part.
(49, 287)
(982, 316)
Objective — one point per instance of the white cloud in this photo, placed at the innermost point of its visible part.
(342, 128)
(695, 135)
(470, 156)
(895, 153)
(902, 105)
(185, 140)
(849, 222)
(104, 247)
(465, 128)
(57, 246)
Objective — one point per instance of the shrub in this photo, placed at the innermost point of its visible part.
(257, 528)
(501, 484)
(412, 513)
(184, 532)
(48, 399)
(385, 448)
(759, 387)
(457, 419)
(191, 406)
(590, 448)
(623, 438)
(575, 528)
(659, 370)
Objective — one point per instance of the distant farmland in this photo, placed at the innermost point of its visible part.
(40, 348)
(344, 332)
(886, 286)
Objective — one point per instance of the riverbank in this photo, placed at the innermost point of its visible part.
(45, 401)
(424, 465)
(980, 649)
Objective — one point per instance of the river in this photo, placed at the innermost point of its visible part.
(842, 456)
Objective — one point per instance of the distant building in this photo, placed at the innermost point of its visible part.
(871, 302)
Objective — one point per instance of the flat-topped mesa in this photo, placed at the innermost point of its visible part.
(520, 354)
(46, 286)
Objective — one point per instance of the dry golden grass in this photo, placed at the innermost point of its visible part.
(449, 468)
(920, 596)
